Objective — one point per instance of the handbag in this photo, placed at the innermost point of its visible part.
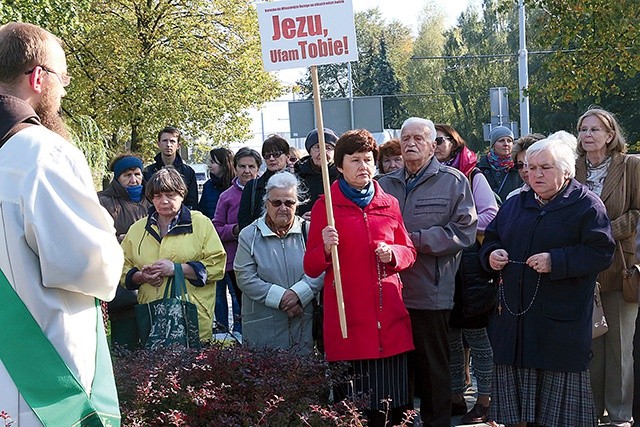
(478, 288)
(598, 321)
(172, 320)
(630, 280)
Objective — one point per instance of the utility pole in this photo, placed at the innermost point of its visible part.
(523, 72)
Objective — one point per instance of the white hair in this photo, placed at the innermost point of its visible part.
(563, 154)
(422, 122)
(566, 138)
(286, 181)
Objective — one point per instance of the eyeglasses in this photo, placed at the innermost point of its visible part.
(278, 203)
(327, 147)
(590, 131)
(518, 165)
(293, 159)
(274, 154)
(64, 78)
(442, 139)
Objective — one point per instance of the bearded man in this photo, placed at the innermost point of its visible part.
(58, 250)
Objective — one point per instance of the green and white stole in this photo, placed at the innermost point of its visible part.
(43, 379)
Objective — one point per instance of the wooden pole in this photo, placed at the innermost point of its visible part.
(326, 185)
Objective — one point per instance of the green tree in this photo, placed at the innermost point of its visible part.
(468, 74)
(425, 96)
(143, 64)
(595, 43)
(380, 79)
(380, 68)
(139, 65)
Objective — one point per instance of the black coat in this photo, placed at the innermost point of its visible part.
(311, 178)
(188, 174)
(502, 182)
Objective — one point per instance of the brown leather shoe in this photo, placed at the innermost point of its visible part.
(477, 414)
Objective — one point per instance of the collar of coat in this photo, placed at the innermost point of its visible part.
(380, 198)
(14, 111)
(176, 163)
(572, 194)
(183, 224)
(431, 169)
(264, 229)
(614, 173)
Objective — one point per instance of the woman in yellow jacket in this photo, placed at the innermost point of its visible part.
(171, 233)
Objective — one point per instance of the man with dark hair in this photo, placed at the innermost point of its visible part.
(169, 140)
(58, 249)
(440, 216)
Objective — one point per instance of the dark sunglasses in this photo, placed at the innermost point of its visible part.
(278, 203)
(518, 165)
(274, 154)
(441, 139)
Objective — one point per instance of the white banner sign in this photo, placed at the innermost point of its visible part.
(301, 33)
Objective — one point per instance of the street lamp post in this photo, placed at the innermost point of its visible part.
(523, 72)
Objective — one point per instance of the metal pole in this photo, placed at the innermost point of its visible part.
(523, 72)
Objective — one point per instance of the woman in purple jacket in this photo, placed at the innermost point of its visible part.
(246, 163)
(548, 245)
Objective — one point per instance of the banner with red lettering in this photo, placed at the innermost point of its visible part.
(301, 33)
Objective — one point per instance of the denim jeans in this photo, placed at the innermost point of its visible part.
(222, 308)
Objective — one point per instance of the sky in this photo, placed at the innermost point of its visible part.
(274, 116)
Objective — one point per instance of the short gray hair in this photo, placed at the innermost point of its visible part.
(286, 181)
(420, 121)
(561, 152)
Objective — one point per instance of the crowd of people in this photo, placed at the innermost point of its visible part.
(446, 260)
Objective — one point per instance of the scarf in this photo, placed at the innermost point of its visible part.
(360, 197)
(135, 193)
(499, 163)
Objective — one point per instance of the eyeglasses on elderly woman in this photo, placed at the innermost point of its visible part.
(277, 203)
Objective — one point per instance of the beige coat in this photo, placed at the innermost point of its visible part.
(621, 197)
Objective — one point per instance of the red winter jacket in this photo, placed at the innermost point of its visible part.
(378, 324)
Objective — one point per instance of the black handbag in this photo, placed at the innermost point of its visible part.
(479, 291)
(172, 320)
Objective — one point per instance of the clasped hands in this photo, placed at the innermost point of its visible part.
(540, 262)
(290, 304)
(154, 274)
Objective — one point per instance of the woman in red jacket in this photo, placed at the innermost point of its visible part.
(373, 246)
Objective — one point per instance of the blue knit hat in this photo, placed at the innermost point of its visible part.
(126, 163)
(330, 137)
(499, 132)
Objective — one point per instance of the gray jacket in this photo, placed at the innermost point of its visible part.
(440, 216)
(266, 266)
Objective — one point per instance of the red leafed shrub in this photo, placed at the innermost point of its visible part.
(229, 386)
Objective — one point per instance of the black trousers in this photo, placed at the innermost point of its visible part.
(429, 375)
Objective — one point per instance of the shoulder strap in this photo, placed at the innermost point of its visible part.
(17, 128)
(41, 376)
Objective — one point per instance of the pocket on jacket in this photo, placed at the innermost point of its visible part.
(435, 205)
(560, 311)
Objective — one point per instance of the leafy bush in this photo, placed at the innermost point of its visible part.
(229, 386)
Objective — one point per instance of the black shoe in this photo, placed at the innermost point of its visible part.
(459, 408)
(477, 414)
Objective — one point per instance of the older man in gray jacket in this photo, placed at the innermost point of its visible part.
(440, 216)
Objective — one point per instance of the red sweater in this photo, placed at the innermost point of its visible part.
(378, 323)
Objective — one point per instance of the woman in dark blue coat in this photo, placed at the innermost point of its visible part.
(548, 245)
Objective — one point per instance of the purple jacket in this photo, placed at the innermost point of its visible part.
(226, 217)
